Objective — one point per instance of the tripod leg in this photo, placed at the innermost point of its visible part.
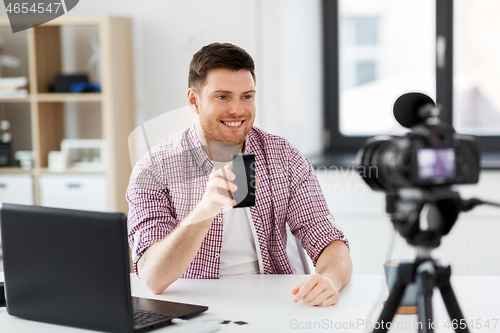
(405, 273)
(390, 307)
(450, 301)
(425, 283)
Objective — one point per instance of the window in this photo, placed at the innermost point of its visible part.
(477, 67)
(360, 49)
(376, 50)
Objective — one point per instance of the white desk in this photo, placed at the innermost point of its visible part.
(265, 302)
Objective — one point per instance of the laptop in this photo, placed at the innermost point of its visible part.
(71, 268)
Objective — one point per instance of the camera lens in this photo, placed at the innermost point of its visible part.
(383, 162)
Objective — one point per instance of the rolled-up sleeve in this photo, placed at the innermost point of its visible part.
(150, 216)
(308, 215)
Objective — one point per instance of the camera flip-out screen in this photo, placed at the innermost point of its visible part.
(436, 163)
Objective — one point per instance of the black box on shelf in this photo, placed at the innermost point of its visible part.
(62, 83)
(5, 155)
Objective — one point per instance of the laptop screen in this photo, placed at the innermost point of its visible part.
(67, 267)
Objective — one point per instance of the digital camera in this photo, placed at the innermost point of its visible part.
(431, 154)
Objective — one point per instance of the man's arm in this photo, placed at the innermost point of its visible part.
(310, 221)
(333, 272)
(335, 264)
(166, 260)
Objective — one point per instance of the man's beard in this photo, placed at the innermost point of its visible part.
(213, 133)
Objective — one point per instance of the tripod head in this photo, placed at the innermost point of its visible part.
(406, 207)
(441, 205)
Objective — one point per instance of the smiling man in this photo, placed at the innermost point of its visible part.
(182, 222)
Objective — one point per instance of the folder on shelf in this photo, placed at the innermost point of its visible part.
(22, 93)
(13, 82)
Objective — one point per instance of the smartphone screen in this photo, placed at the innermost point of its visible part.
(243, 166)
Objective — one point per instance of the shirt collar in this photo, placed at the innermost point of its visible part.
(250, 142)
(194, 145)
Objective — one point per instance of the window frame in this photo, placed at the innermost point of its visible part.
(335, 142)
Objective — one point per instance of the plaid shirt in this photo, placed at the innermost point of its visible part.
(168, 182)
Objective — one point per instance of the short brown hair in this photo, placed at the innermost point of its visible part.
(214, 56)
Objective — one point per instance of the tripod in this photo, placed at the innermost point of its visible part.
(405, 206)
(427, 274)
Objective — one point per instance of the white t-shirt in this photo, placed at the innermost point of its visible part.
(238, 253)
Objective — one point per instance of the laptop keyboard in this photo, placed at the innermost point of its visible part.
(144, 318)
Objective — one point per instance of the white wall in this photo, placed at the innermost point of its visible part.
(292, 79)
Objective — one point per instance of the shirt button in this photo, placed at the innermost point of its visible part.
(217, 255)
(220, 219)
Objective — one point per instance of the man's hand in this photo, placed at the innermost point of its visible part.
(217, 192)
(317, 290)
(333, 272)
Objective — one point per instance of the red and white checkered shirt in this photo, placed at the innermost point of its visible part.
(170, 180)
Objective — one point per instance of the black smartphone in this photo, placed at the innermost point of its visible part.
(2, 295)
(243, 166)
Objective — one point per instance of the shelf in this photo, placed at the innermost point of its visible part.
(45, 117)
(16, 100)
(69, 97)
(56, 97)
(39, 171)
(67, 19)
(72, 171)
(14, 171)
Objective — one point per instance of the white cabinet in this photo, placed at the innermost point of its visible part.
(84, 192)
(16, 189)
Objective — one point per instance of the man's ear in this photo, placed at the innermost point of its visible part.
(193, 100)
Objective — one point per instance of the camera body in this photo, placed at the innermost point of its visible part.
(431, 154)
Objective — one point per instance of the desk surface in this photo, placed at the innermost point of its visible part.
(265, 303)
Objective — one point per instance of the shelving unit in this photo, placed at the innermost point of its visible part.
(116, 102)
